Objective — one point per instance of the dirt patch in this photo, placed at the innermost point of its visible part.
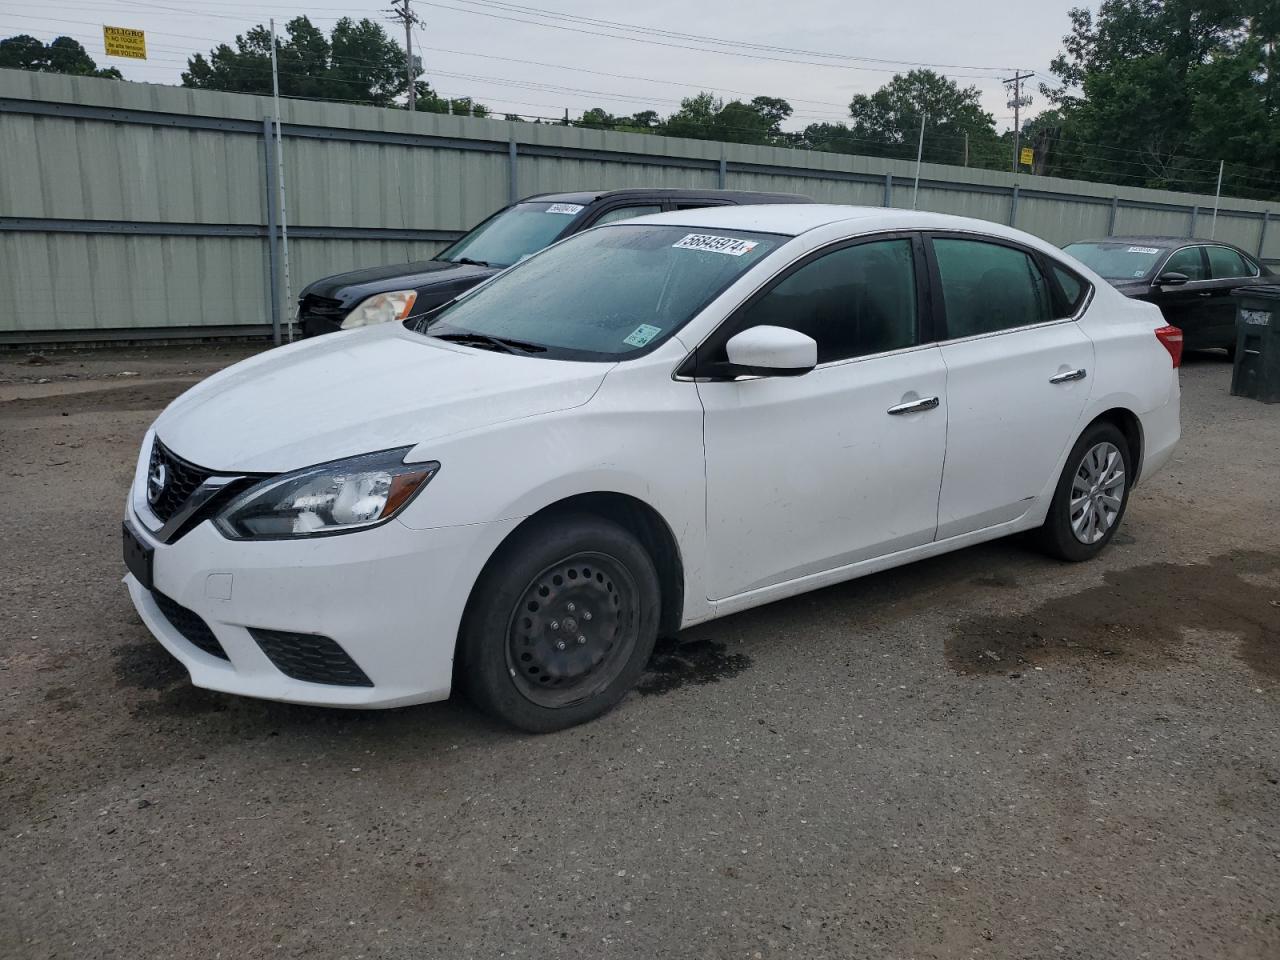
(674, 664)
(1135, 614)
(141, 396)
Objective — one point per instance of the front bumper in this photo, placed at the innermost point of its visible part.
(391, 597)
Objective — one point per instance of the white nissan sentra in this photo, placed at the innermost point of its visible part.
(645, 426)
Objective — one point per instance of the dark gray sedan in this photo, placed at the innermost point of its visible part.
(1190, 280)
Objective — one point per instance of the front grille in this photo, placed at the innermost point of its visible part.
(180, 479)
(189, 624)
(310, 657)
(320, 314)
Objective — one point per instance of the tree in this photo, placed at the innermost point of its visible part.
(705, 117)
(357, 62)
(1130, 78)
(62, 55)
(887, 122)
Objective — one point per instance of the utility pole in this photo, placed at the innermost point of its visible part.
(1217, 196)
(400, 10)
(1018, 101)
(915, 190)
(284, 220)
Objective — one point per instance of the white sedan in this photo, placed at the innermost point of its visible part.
(645, 426)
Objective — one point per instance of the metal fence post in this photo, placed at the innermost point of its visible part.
(273, 267)
(888, 189)
(724, 172)
(1195, 215)
(1111, 223)
(1013, 206)
(513, 176)
(1262, 237)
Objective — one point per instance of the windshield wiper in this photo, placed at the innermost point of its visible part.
(472, 263)
(486, 342)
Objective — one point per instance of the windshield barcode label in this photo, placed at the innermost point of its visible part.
(727, 245)
(565, 208)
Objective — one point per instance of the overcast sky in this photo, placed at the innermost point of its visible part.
(477, 49)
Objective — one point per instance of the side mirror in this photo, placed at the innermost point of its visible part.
(1171, 279)
(772, 352)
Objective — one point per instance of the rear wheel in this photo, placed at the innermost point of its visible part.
(560, 624)
(1091, 495)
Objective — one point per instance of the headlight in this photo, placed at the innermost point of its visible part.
(329, 498)
(381, 308)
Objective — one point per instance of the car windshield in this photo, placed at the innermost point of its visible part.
(603, 294)
(516, 232)
(1118, 260)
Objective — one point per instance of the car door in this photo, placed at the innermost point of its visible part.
(1017, 377)
(808, 473)
(1184, 305)
(1228, 271)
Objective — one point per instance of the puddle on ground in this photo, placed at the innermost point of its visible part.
(1137, 613)
(675, 664)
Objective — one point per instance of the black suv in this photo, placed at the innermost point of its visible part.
(359, 298)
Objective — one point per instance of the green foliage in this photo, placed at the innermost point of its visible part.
(887, 122)
(357, 61)
(62, 55)
(705, 117)
(1155, 92)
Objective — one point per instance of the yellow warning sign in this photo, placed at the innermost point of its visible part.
(124, 42)
(1027, 157)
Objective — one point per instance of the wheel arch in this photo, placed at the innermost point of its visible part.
(1128, 423)
(640, 519)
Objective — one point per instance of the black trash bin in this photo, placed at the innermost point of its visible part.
(1257, 366)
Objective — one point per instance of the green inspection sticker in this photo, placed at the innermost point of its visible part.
(642, 334)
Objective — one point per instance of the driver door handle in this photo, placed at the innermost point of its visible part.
(1069, 375)
(914, 406)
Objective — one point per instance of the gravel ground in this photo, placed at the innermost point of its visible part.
(987, 754)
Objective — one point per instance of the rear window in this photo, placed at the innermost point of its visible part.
(1120, 260)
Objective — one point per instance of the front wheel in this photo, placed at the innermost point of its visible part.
(560, 624)
(1091, 495)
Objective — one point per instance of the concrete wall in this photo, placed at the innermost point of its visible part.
(136, 209)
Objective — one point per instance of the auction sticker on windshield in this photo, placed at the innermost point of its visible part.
(705, 241)
(1143, 250)
(570, 208)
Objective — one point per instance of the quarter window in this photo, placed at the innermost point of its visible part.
(854, 301)
(1187, 261)
(1073, 291)
(1227, 264)
(987, 287)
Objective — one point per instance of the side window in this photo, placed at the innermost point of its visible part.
(854, 301)
(1188, 260)
(626, 213)
(1072, 291)
(697, 204)
(987, 288)
(1226, 264)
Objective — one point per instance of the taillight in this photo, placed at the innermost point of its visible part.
(1171, 337)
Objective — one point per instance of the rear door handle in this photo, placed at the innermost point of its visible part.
(1069, 376)
(914, 406)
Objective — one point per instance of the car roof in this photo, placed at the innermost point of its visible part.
(795, 219)
(1160, 241)
(585, 197)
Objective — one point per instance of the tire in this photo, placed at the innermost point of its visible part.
(560, 624)
(1059, 537)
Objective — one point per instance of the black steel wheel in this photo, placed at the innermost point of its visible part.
(573, 629)
(560, 623)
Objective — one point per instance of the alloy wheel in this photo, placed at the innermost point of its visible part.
(1097, 492)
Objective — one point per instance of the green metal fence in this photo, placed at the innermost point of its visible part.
(131, 210)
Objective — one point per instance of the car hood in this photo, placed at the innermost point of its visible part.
(355, 285)
(360, 391)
